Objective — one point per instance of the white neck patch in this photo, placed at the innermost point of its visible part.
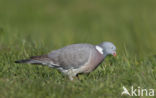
(99, 49)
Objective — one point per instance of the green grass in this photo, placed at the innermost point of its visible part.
(35, 27)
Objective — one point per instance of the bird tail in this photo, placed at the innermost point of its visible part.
(23, 61)
(29, 61)
(32, 60)
(39, 60)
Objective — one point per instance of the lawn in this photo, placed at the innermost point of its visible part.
(35, 27)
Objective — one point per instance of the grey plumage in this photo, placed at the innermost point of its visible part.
(73, 59)
(74, 55)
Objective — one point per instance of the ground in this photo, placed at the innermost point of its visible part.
(35, 27)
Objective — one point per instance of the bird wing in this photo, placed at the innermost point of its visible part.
(72, 56)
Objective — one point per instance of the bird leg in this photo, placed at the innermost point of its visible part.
(71, 77)
(71, 74)
(77, 76)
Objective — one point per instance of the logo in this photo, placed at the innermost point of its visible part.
(137, 91)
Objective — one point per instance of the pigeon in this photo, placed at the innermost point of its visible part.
(74, 59)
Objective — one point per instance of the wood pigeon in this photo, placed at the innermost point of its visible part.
(74, 59)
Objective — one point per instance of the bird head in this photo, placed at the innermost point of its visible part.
(108, 48)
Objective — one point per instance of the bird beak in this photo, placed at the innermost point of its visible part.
(114, 54)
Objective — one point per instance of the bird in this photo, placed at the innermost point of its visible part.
(74, 59)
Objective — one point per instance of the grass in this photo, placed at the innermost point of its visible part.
(35, 27)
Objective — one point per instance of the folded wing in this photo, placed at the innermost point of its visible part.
(74, 56)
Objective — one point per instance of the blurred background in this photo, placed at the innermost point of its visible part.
(35, 27)
(52, 24)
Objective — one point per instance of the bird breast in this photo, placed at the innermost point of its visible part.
(95, 59)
